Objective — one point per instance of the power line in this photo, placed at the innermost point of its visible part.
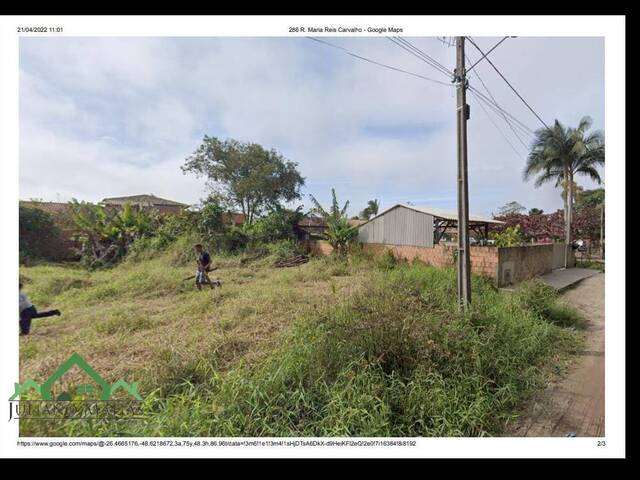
(504, 117)
(420, 55)
(379, 63)
(523, 127)
(485, 55)
(417, 55)
(507, 82)
(426, 56)
(479, 95)
(494, 106)
(487, 103)
(497, 127)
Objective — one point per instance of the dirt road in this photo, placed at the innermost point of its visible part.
(575, 404)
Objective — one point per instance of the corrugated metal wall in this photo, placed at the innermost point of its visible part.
(399, 226)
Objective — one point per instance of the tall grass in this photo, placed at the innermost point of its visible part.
(396, 359)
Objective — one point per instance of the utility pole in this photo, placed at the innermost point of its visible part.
(462, 112)
(568, 215)
(602, 230)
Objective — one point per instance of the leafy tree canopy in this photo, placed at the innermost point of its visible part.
(510, 208)
(560, 152)
(37, 232)
(371, 210)
(509, 237)
(591, 198)
(252, 178)
(277, 225)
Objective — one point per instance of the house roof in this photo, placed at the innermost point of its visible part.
(356, 222)
(147, 199)
(442, 214)
(311, 221)
(316, 221)
(51, 207)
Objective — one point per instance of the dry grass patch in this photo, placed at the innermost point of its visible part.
(140, 321)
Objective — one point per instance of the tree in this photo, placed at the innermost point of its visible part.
(587, 224)
(509, 237)
(536, 211)
(371, 210)
(38, 234)
(591, 198)
(577, 193)
(210, 220)
(339, 233)
(560, 153)
(277, 225)
(534, 226)
(252, 178)
(511, 207)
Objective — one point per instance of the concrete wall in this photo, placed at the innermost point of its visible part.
(558, 256)
(522, 263)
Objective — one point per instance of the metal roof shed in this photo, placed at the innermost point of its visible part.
(416, 226)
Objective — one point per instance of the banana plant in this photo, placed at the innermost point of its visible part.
(339, 233)
(101, 231)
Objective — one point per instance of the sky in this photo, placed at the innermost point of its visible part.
(113, 116)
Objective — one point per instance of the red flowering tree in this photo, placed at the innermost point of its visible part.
(585, 225)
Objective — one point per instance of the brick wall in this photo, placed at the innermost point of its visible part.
(318, 247)
(505, 266)
(439, 256)
(484, 260)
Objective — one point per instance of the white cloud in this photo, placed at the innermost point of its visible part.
(117, 116)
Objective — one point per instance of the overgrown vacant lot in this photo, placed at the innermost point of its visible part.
(330, 348)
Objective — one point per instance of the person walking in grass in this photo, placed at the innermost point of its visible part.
(28, 312)
(204, 267)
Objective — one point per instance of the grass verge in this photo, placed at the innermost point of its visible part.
(331, 348)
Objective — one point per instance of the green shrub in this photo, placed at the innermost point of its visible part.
(233, 240)
(277, 225)
(535, 296)
(283, 249)
(510, 237)
(209, 220)
(542, 300)
(39, 236)
(387, 260)
(590, 264)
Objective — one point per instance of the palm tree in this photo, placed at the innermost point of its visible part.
(560, 153)
(371, 210)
